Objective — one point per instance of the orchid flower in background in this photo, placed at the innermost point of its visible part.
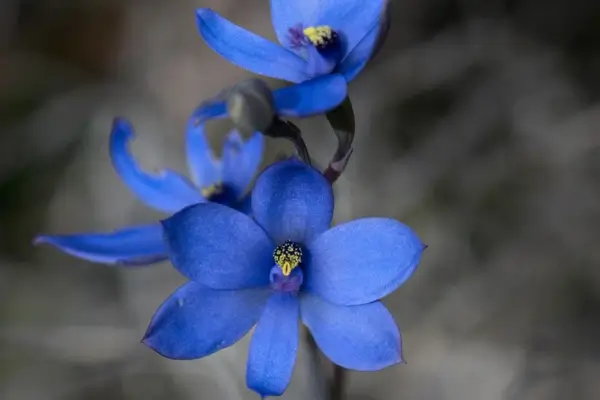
(317, 37)
(220, 181)
(280, 264)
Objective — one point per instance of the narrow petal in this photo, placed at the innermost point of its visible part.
(247, 50)
(204, 167)
(214, 108)
(292, 201)
(166, 191)
(356, 60)
(196, 321)
(361, 261)
(142, 245)
(218, 247)
(362, 338)
(241, 160)
(315, 96)
(274, 345)
(286, 14)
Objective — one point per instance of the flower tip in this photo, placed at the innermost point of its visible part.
(165, 223)
(148, 342)
(121, 123)
(200, 12)
(38, 240)
(424, 246)
(203, 16)
(119, 120)
(121, 129)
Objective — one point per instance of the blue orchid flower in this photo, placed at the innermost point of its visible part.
(317, 37)
(220, 181)
(282, 265)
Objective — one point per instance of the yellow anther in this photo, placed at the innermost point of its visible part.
(319, 35)
(212, 190)
(287, 256)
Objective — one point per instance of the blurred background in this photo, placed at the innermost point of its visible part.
(477, 125)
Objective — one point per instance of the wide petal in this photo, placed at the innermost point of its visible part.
(356, 60)
(241, 160)
(274, 345)
(166, 191)
(204, 167)
(141, 245)
(247, 50)
(315, 96)
(219, 247)
(292, 201)
(361, 261)
(362, 338)
(196, 321)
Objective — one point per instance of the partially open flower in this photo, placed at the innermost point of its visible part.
(317, 38)
(221, 181)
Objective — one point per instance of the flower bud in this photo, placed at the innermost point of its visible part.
(250, 106)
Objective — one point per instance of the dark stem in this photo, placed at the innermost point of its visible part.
(337, 383)
(287, 130)
(341, 120)
(317, 368)
(332, 387)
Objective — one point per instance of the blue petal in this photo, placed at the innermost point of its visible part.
(354, 62)
(204, 167)
(218, 247)
(241, 160)
(361, 261)
(245, 205)
(353, 19)
(286, 14)
(166, 191)
(315, 96)
(292, 201)
(274, 345)
(362, 338)
(136, 246)
(196, 321)
(214, 108)
(247, 50)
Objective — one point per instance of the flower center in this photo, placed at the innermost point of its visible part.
(220, 193)
(213, 190)
(322, 37)
(287, 256)
(281, 283)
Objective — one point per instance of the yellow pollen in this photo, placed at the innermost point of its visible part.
(214, 189)
(287, 256)
(319, 35)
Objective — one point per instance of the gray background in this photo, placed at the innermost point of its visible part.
(477, 125)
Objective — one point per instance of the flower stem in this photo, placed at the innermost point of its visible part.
(287, 130)
(341, 120)
(334, 387)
